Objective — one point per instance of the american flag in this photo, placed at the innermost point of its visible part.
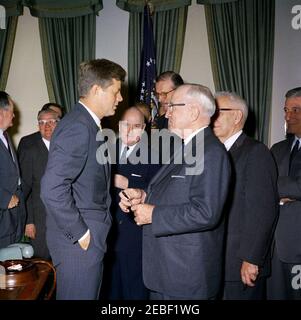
(147, 77)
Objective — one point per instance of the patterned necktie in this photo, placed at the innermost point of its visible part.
(293, 153)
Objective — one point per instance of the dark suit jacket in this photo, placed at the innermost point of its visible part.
(125, 235)
(183, 247)
(251, 208)
(11, 220)
(30, 139)
(33, 155)
(287, 234)
(161, 122)
(75, 187)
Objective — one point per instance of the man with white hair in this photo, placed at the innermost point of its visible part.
(251, 208)
(181, 211)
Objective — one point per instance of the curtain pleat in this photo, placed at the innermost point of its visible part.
(66, 42)
(7, 39)
(241, 43)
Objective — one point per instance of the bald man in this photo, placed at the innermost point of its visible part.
(123, 269)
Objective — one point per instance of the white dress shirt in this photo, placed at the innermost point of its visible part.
(230, 141)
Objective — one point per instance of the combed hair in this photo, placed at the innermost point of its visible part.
(174, 77)
(46, 111)
(100, 72)
(235, 98)
(4, 100)
(46, 106)
(204, 96)
(296, 92)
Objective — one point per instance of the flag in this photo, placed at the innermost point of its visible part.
(147, 76)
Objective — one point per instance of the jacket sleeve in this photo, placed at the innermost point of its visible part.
(260, 206)
(25, 156)
(203, 208)
(67, 157)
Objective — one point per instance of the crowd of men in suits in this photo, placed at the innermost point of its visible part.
(225, 226)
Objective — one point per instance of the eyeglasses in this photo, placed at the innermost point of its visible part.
(50, 122)
(171, 105)
(293, 110)
(225, 109)
(163, 94)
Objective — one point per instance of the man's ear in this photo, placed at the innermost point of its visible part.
(194, 112)
(96, 90)
(238, 116)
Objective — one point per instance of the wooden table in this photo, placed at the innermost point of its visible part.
(32, 290)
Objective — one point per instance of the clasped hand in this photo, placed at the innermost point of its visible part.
(133, 200)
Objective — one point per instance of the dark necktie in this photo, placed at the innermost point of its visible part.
(123, 156)
(294, 153)
(8, 146)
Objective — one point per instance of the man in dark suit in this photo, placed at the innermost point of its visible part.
(35, 137)
(123, 271)
(284, 283)
(166, 84)
(181, 212)
(33, 160)
(252, 205)
(12, 210)
(75, 186)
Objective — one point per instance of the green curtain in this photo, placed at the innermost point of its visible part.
(214, 1)
(169, 34)
(241, 42)
(62, 8)
(65, 43)
(158, 5)
(7, 39)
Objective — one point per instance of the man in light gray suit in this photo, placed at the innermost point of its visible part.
(75, 187)
(181, 212)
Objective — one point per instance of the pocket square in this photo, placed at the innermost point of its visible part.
(136, 175)
(182, 177)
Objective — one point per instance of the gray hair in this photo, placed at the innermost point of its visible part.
(237, 100)
(293, 93)
(204, 96)
(48, 111)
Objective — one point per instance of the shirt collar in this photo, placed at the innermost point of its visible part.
(93, 115)
(189, 138)
(47, 143)
(230, 141)
(295, 139)
(130, 149)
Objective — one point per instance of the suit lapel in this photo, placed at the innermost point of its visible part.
(238, 143)
(95, 130)
(13, 158)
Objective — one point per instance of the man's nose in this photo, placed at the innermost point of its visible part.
(119, 97)
(168, 113)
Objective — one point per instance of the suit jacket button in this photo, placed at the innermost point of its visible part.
(120, 221)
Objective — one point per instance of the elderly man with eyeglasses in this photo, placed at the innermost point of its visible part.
(166, 84)
(251, 209)
(181, 210)
(33, 159)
